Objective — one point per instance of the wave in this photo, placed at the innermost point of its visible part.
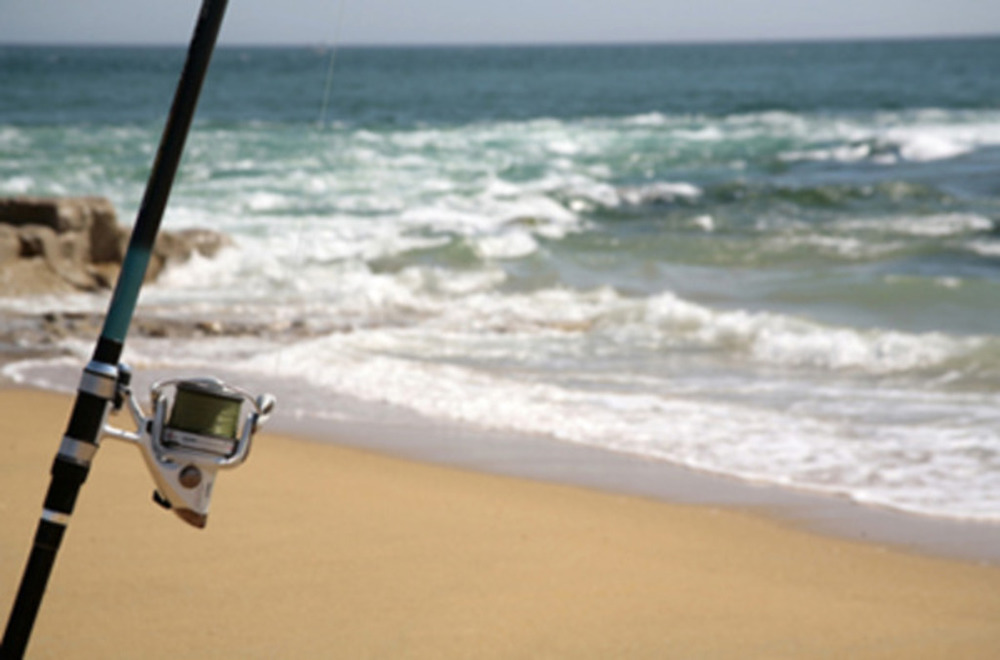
(931, 226)
(786, 341)
(822, 435)
(890, 138)
(473, 304)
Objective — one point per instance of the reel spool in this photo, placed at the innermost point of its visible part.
(194, 431)
(204, 417)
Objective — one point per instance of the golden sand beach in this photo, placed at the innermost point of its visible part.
(317, 551)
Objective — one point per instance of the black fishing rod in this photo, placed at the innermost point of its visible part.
(104, 381)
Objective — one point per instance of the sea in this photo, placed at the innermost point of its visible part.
(778, 262)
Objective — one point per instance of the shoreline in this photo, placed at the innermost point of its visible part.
(394, 432)
(316, 549)
(550, 461)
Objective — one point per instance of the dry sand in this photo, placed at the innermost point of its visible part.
(314, 551)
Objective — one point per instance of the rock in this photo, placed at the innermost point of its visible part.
(29, 277)
(210, 327)
(10, 244)
(108, 241)
(61, 214)
(64, 254)
(37, 241)
(104, 274)
(19, 211)
(91, 221)
(79, 240)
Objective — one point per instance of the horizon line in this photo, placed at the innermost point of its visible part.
(515, 44)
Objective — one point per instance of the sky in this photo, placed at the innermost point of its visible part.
(346, 22)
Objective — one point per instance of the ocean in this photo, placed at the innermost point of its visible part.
(778, 262)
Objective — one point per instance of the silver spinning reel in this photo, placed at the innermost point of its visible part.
(193, 432)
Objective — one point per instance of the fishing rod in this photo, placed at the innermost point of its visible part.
(194, 429)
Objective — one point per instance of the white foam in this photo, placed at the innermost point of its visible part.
(662, 192)
(948, 282)
(933, 138)
(924, 147)
(783, 340)
(70, 303)
(264, 201)
(934, 225)
(12, 137)
(17, 185)
(987, 248)
(507, 245)
(563, 147)
(648, 119)
(849, 247)
(873, 352)
(935, 135)
(702, 134)
(704, 222)
(198, 270)
(26, 372)
(586, 191)
(850, 153)
(923, 136)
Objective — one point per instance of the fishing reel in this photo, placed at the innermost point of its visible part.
(193, 432)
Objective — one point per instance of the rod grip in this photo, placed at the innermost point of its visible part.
(48, 537)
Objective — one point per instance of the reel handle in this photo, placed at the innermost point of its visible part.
(265, 404)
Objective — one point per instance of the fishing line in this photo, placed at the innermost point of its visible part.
(338, 25)
(333, 46)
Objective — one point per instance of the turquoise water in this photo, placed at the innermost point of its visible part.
(777, 261)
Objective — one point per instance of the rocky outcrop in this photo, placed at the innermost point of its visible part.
(75, 243)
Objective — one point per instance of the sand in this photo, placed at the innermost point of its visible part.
(314, 550)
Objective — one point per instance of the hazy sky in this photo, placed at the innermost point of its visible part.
(501, 21)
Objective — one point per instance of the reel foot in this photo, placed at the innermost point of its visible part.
(199, 520)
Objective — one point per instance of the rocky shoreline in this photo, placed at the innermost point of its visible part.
(27, 335)
(66, 245)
